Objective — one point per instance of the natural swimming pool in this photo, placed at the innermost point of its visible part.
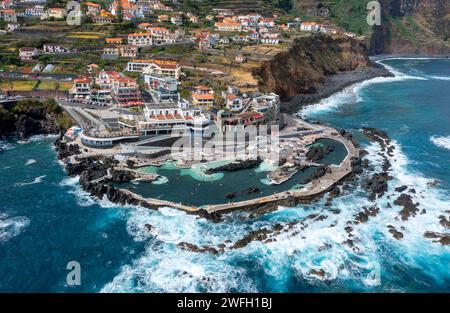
(191, 186)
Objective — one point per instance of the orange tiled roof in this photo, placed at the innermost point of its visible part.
(82, 80)
(92, 4)
(206, 96)
(138, 34)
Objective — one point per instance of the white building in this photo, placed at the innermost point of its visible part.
(27, 53)
(52, 48)
(234, 103)
(140, 39)
(166, 68)
(309, 26)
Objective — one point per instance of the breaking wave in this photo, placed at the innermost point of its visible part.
(30, 161)
(12, 226)
(351, 93)
(443, 142)
(37, 180)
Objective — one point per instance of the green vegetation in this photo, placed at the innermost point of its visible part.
(64, 121)
(48, 106)
(406, 27)
(18, 85)
(10, 59)
(350, 14)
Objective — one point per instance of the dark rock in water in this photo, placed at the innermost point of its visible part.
(149, 227)
(230, 195)
(317, 153)
(259, 235)
(401, 188)
(214, 216)
(412, 190)
(250, 191)
(395, 233)
(232, 167)
(194, 248)
(247, 191)
(121, 176)
(348, 229)
(349, 243)
(364, 215)
(444, 221)
(262, 235)
(130, 163)
(377, 135)
(443, 239)
(335, 192)
(377, 184)
(319, 172)
(319, 272)
(326, 246)
(409, 208)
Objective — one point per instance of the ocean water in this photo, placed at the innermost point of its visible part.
(46, 221)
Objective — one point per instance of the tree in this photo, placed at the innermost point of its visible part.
(119, 12)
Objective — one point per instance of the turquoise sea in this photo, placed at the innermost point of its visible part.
(46, 220)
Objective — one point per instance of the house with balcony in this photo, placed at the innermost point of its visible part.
(113, 41)
(27, 53)
(167, 68)
(162, 88)
(310, 26)
(128, 51)
(81, 89)
(35, 11)
(92, 8)
(228, 26)
(203, 96)
(125, 91)
(111, 52)
(55, 13)
(140, 39)
(176, 20)
(174, 118)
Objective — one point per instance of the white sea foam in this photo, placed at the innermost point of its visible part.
(314, 245)
(351, 94)
(439, 77)
(12, 226)
(37, 180)
(4, 146)
(440, 141)
(42, 137)
(30, 161)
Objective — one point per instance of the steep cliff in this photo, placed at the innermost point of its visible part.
(412, 27)
(408, 26)
(310, 60)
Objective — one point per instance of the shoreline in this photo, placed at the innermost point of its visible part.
(334, 84)
(380, 57)
(95, 178)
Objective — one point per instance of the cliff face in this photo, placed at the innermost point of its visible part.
(305, 66)
(412, 27)
(408, 26)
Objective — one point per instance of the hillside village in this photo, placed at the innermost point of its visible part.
(153, 66)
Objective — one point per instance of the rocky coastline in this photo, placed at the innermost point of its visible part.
(333, 84)
(28, 118)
